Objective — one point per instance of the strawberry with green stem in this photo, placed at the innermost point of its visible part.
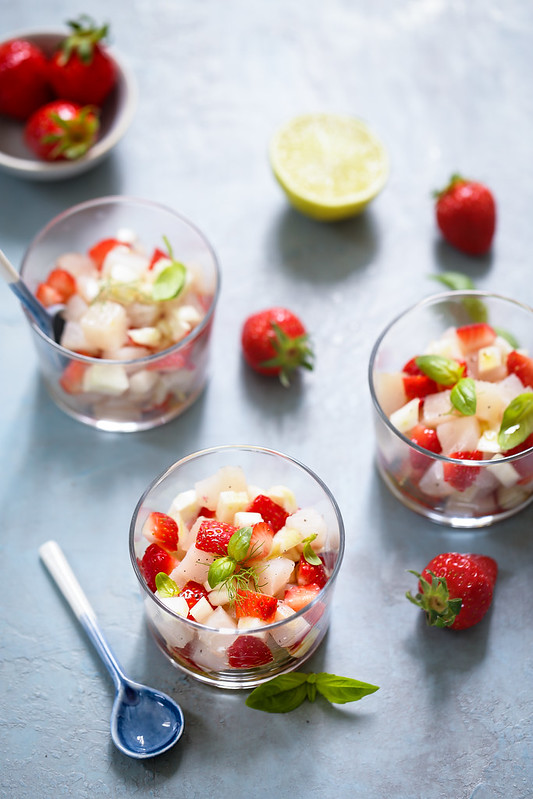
(275, 342)
(466, 215)
(81, 70)
(62, 130)
(455, 590)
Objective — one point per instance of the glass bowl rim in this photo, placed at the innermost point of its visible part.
(116, 199)
(247, 448)
(434, 299)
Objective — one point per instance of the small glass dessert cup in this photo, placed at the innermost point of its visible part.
(461, 475)
(238, 655)
(131, 387)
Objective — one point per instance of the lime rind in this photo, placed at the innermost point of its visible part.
(330, 166)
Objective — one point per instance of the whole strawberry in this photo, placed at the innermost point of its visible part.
(455, 590)
(23, 79)
(61, 130)
(275, 342)
(81, 70)
(466, 215)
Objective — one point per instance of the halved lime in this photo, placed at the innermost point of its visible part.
(330, 166)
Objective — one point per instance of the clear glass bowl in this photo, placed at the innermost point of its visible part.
(503, 485)
(204, 652)
(164, 384)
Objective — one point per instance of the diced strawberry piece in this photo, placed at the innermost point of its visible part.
(461, 477)
(155, 560)
(521, 366)
(192, 592)
(411, 368)
(63, 282)
(475, 336)
(181, 359)
(248, 651)
(253, 603)
(100, 250)
(48, 295)
(418, 386)
(209, 514)
(271, 511)
(427, 438)
(260, 542)
(161, 529)
(214, 536)
(298, 596)
(71, 380)
(307, 573)
(156, 256)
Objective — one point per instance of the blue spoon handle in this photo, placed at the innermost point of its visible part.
(22, 292)
(56, 563)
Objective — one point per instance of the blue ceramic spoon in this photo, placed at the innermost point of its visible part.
(144, 722)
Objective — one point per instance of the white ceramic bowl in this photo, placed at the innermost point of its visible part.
(116, 116)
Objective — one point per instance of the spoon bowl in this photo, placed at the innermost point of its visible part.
(144, 721)
(50, 321)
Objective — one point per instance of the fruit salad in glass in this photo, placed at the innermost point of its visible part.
(137, 304)
(454, 420)
(236, 576)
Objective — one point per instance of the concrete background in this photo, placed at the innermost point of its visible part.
(447, 86)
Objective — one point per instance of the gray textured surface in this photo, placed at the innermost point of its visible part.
(448, 86)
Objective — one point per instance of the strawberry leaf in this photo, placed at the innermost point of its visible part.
(517, 422)
(463, 396)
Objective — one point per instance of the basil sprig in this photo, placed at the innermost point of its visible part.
(517, 422)
(444, 371)
(171, 280)
(463, 396)
(224, 568)
(509, 338)
(309, 553)
(286, 692)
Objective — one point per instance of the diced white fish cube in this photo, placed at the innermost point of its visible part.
(406, 417)
(106, 378)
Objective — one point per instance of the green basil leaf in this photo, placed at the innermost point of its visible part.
(309, 553)
(169, 282)
(239, 543)
(476, 308)
(342, 689)
(515, 344)
(280, 695)
(220, 570)
(166, 585)
(463, 396)
(517, 422)
(444, 371)
(454, 280)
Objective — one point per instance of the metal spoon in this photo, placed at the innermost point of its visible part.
(144, 722)
(51, 321)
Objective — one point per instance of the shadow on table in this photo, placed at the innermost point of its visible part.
(451, 260)
(323, 252)
(49, 198)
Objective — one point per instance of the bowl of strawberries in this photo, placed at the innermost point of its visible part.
(66, 99)
(236, 550)
(452, 384)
